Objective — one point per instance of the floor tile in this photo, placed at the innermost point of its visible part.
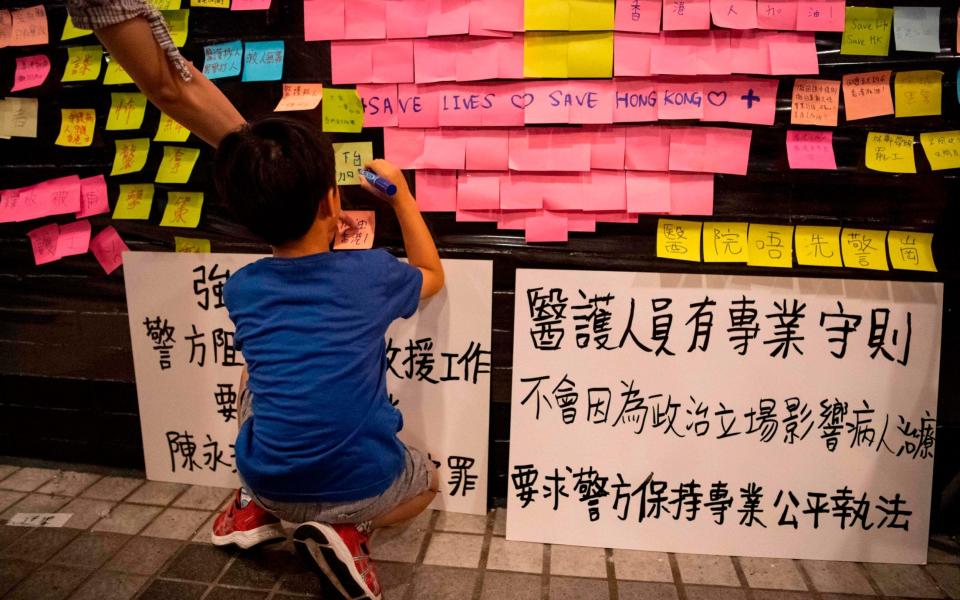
(505, 555)
(7, 470)
(49, 582)
(35, 503)
(197, 562)
(301, 582)
(454, 550)
(176, 523)
(577, 561)
(642, 590)
(461, 522)
(701, 592)
(90, 549)
(394, 578)
(837, 577)
(9, 497)
(578, 588)
(143, 555)
(9, 534)
(512, 586)
(903, 580)
(936, 555)
(222, 593)
(112, 488)
(948, 578)
(639, 565)
(400, 543)
(156, 492)
(782, 595)
(202, 536)
(772, 573)
(162, 589)
(40, 544)
(499, 521)
(27, 479)
(259, 567)
(105, 585)
(127, 518)
(86, 512)
(707, 569)
(13, 571)
(68, 483)
(203, 497)
(443, 583)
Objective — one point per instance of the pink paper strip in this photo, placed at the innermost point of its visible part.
(31, 71)
(679, 100)
(487, 150)
(461, 106)
(591, 101)
(569, 150)
(750, 51)
(632, 53)
(418, 106)
(379, 104)
(793, 54)
(406, 18)
(476, 59)
(44, 243)
(434, 60)
(351, 62)
(777, 14)
(522, 191)
(688, 149)
(506, 105)
(605, 190)
(477, 216)
(727, 150)
(582, 222)
(510, 58)
(498, 15)
(478, 191)
(108, 249)
(821, 15)
(811, 150)
(741, 100)
(93, 197)
(323, 20)
(734, 14)
(716, 58)
(565, 191)
(403, 147)
(515, 220)
(615, 217)
(448, 17)
(250, 5)
(436, 191)
(686, 14)
(392, 61)
(607, 148)
(691, 194)
(647, 148)
(443, 149)
(74, 238)
(547, 226)
(639, 16)
(365, 20)
(648, 192)
(636, 101)
(542, 104)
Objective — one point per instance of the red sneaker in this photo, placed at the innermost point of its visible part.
(246, 527)
(340, 551)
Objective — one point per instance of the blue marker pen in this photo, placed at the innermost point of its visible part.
(378, 182)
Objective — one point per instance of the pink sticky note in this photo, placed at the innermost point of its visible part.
(478, 191)
(635, 101)
(565, 191)
(448, 17)
(108, 249)
(74, 238)
(56, 197)
(434, 60)
(691, 194)
(476, 59)
(403, 147)
(31, 71)
(29, 26)
(418, 106)
(632, 53)
(477, 216)
(10, 206)
(741, 100)
(582, 222)
(351, 62)
(461, 105)
(93, 197)
(379, 104)
(497, 15)
(547, 226)
(513, 219)
(591, 101)
(615, 217)
(392, 61)
(777, 14)
(529, 150)
(405, 18)
(811, 150)
(688, 149)
(506, 104)
(605, 190)
(727, 150)
(648, 192)
(679, 53)
(520, 191)
(323, 20)
(679, 100)
(436, 191)
(607, 148)
(686, 14)
(487, 150)
(443, 149)
(750, 51)
(639, 16)
(821, 15)
(715, 57)
(647, 148)
(734, 14)
(510, 57)
(544, 103)
(359, 237)
(793, 54)
(44, 242)
(250, 5)
(365, 20)
(570, 150)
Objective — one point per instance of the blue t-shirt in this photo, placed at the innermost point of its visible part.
(312, 332)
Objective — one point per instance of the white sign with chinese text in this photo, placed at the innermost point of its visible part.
(734, 415)
(188, 372)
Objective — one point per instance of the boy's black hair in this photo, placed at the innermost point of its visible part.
(275, 174)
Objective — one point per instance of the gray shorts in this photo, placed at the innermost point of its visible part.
(413, 480)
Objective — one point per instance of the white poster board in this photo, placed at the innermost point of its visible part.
(188, 372)
(765, 434)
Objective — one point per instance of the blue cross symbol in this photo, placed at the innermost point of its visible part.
(750, 98)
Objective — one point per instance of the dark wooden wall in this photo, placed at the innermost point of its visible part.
(66, 373)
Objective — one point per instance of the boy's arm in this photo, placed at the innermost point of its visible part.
(421, 251)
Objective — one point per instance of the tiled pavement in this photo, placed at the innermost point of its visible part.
(129, 538)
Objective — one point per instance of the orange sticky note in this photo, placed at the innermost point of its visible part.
(300, 96)
(359, 237)
(815, 102)
(29, 26)
(867, 95)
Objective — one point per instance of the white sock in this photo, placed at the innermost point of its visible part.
(245, 498)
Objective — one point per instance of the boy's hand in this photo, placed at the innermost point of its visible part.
(389, 171)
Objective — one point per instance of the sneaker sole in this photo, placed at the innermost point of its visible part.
(251, 538)
(322, 546)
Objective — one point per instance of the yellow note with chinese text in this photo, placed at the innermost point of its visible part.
(911, 250)
(76, 127)
(348, 158)
(210, 3)
(126, 111)
(83, 63)
(725, 242)
(178, 21)
(679, 240)
(131, 155)
(185, 244)
(890, 153)
(917, 93)
(770, 245)
(817, 246)
(942, 149)
(134, 201)
(864, 249)
(183, 209)
(169, 130)
(342, 111)
(177, 164)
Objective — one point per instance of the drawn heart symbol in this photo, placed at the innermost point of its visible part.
(721, 95)
(521, 101)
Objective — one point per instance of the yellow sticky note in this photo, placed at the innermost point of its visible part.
(126, 111)
(890, 153)
(679, 240)
(342, 111)
(76, 127)
(591, 15)
(725, 242)
(348, 158)
(131, 156)
(18, 117)
(866, 31)
(210, 3)
(590, 55)
(545, 55)
(770, 245)
(134, 201)
(166, 4)
(817, 246)
(917, 93)
(178, 22)
(169, 130)
(83, 63)
(942, 149)
(864, 249)
(548, 15)
(71, 31)
(911, 250)
(177, 164)
(185, 244)
(183, 209)
(115, 74)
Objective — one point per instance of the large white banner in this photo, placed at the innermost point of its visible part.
(188, 372)
(752, 416)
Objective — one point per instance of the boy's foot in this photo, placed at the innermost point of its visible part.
(340, 552)
(245, 526)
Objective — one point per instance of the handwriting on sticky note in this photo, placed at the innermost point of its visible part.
(867, 95)
(130, 156)
(942, 149)
(74, 238)
(679, 240)
(815, 102)
(31, 71)
(183, 209)
(770, 245)
(178, 21)
(29, 26)
(300, 96)
(115, 74)
(917, 28)
(210, 3)
(725, 242)
(820, 15)
(18, 117)
(223, 60)
(44, 243)
(864, 249)
(890, 153)
(867, 31)
(359, 234)
(686, 14)
(917, 93)
(134, 201)
(83, 63)
(187, 244)
(734, 14)
(811, 150)
(817, 246)
(342, 111)
(93, 196)
(76, 127)
(349, 157)
(108, 249)
(126, 111)
(71, 31)
(168, 130)
(911, 250)
(263, 61)
(177, 164)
